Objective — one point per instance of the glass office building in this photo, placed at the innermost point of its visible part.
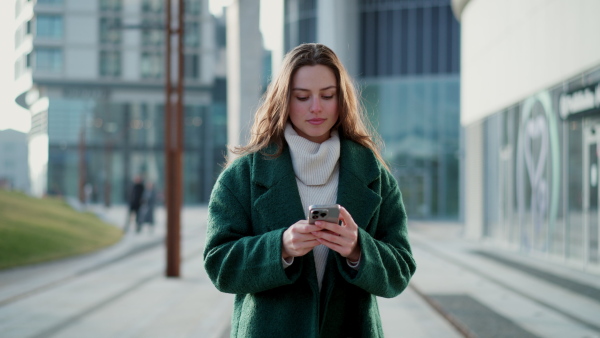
(408, 71)
(92, 75)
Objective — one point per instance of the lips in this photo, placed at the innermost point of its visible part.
(316, 121)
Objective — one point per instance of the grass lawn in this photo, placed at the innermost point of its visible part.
(34, 230)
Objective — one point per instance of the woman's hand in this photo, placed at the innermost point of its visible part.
(340, 238)
(298, 239)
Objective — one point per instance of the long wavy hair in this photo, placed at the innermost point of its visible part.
(273, 112)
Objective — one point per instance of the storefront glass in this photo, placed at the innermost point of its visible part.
(542, 173)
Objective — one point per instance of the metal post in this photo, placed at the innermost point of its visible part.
(173, 142)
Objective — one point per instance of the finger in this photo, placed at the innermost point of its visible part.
(333, 227)
(305, 228)
(347, 218)
(332, 238)
(342, 250)
(298, 237)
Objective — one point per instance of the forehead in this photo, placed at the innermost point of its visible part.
(313, 77)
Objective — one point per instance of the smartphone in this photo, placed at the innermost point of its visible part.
(324, 212)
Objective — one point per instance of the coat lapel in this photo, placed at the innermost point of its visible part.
(278, 200)
(358, 170)
(279, 204)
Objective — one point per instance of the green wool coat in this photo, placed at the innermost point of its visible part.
(255, 200)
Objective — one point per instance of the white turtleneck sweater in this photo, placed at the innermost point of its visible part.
(316, 166)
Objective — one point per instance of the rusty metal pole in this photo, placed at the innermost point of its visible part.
(173, 143)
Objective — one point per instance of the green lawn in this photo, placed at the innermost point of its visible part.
(34, 230)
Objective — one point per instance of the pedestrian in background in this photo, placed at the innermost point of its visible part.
(147, 207)
(135, 201)
(310, 144)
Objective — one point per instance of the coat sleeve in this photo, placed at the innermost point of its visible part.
(235, 258)
(387, 263)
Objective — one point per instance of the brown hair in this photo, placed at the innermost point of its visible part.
(273, 112)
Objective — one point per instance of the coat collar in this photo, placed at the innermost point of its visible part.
(358, 170)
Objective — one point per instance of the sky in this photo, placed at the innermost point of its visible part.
(12, 116)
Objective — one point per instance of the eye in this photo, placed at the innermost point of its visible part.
(328, 97)
(302, 98)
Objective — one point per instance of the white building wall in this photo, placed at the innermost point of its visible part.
(337, 28)
(512, 49)
(244, 64)
(473, 173)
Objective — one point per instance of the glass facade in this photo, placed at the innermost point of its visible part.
(110, 63)
(152, 65)
(409, 75)
(541, 174)
(411, 89)
(409, 38)
(49, 26)
(418, 120)
(103, 129)
(120, 140)
(48, 59)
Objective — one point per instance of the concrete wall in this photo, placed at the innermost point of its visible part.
(473, 172)
(244, 64)
(337, 28)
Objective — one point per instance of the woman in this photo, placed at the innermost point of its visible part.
(309, 145)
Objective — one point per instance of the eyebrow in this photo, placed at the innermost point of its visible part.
(307, 90)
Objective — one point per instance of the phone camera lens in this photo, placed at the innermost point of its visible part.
(315, 216)
(323, 214)
(315, 212)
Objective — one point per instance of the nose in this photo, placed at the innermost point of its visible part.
(315, 107)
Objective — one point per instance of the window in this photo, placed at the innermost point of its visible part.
(191, 66)
(50, 2)
(18, 68)
(152, 65)
(192, 34)
(151, 34)
(110, 5)
(49, 26)
(18, 8)
(48, 59)
(110, 30)
(192, 7)
(22, 64)
(152, 6)
(110, 63)
(18, 36)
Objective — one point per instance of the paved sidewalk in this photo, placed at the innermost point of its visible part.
(489, 292)
(461, 288)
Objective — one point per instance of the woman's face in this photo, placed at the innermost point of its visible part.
(313, 103)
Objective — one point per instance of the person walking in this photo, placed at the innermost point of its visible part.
(147, 207)
(135, 201)
(310, 144)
